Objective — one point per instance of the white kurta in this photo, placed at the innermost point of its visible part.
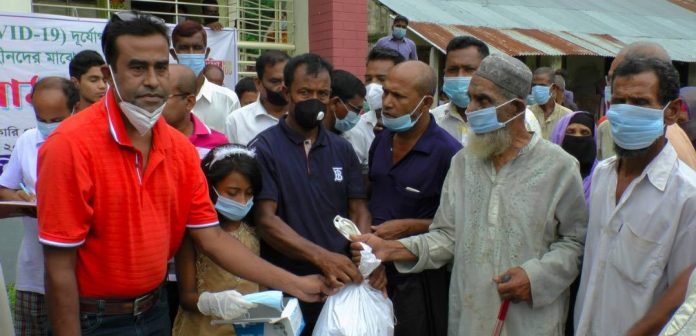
(683, 322)
(531, 214)
(638, 247)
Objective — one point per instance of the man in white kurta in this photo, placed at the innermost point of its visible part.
(642, 229)
(525, 218)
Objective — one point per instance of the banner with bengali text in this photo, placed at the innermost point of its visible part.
(33, 46)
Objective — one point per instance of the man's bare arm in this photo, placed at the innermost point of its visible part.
(385, 250)
(62, 295)
(401, 228)
(337, 268)
(359, 214)
(660, 313)
(234, 257)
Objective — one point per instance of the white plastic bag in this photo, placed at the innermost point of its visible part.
(357, 309)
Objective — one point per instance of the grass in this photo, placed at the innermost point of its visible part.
(11, 294)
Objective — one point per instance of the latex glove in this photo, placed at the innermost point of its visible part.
(227, 305)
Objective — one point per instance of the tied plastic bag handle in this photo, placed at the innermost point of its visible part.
(368, 261)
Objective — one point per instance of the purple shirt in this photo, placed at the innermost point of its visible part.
(405, 46)
(412, 187)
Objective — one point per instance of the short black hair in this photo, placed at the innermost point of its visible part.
(345, 85)
(270, 57)
(139, 25)
(400, 18)
(666, 73)
(69, 89)
(315, 64)
(463, 42)
(545, 71)
(234, 162)
(385, 54)
(245, 84)
(83, 61)
(188, 28)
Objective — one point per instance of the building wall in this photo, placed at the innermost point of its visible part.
(338, 32)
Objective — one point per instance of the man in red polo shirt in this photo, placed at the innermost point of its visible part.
(118, 189)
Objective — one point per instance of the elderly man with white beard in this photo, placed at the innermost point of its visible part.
(511, 220)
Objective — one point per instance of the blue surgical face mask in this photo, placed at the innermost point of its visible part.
(635, 127)
(456, 88)
(485, 120)
(530, 99)
(348, 122)
(402, 123)
(398, 32)
(541, 94)
(607, 93)
(271, 298)
(46, 128)
(232, 209)
(194, 61)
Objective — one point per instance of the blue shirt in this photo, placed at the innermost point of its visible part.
(310, 190)
(411, 188)
(406, 47)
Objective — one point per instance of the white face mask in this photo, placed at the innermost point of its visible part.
(373, 96)
(142, 119)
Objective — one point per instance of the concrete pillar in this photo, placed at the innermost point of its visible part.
(338, 32)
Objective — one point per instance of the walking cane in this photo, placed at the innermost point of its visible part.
(502, 312)
(501, 317)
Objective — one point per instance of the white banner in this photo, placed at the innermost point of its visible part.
(33, 46)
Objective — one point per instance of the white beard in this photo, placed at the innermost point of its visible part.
(486, 145)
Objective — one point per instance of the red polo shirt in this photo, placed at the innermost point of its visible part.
(125, 220)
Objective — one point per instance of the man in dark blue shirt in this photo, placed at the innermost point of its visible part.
(408, 164)
(309, 176)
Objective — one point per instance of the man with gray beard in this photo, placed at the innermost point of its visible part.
(511, 219)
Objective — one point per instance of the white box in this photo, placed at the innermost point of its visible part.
(265, 321)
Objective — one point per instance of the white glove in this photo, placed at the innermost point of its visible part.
(227, 305)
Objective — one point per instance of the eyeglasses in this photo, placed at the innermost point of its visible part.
(351, 107)
(131, 15)
(182, 95)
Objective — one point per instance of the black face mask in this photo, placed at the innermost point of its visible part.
(309, 113)
(275, 98)
(584, 149)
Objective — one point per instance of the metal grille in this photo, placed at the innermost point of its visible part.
(261, 24)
